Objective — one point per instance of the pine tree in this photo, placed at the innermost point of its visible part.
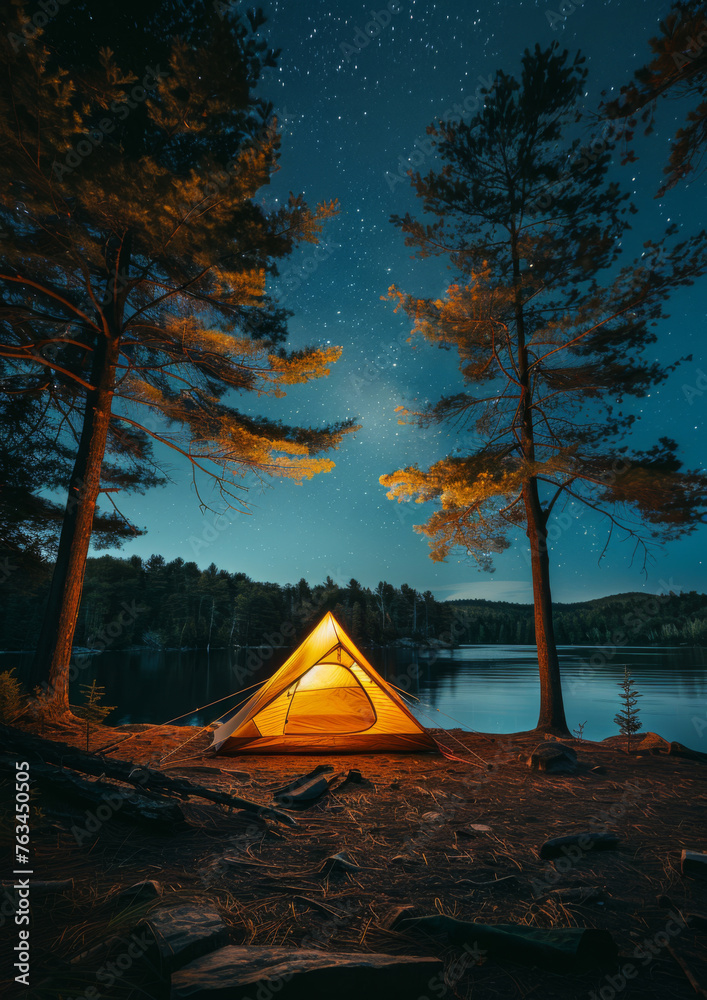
(532, 225)
(677, 70)
(627, 719)
(357, 628)
(135, 262)
(91, 708)
(36, 458)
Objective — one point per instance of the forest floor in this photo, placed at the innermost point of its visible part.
(446, 836)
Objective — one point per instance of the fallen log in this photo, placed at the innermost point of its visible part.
(101, 796)
(27, 746)
(238, 971)
(562, 950)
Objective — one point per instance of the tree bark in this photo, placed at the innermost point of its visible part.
(53, 654)
(51, 665)
(552, 712)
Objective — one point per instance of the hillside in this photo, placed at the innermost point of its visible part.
(167, 605)
(628, 619)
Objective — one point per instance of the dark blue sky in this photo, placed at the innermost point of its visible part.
(350, 124)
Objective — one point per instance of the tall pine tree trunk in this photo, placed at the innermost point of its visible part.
(53, 655)
(552, 712)
(52, 658)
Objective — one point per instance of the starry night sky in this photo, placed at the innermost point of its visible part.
(349, 125)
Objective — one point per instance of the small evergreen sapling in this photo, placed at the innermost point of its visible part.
(627, 719)
(579, 731)
(92, 710)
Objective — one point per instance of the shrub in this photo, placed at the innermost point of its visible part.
(12, 697)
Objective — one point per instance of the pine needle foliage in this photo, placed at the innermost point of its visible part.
(627, 719)
(677, 70)
(139, 257)
(91, 708)
(553, 335)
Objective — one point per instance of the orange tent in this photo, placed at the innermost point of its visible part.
(326, 698)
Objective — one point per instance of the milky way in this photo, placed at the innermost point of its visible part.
(353, 104)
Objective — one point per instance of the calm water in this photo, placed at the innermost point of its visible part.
(486, 688)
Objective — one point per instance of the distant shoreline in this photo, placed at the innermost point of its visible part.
(433, 644)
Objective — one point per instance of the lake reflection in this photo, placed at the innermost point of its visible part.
(484, 688)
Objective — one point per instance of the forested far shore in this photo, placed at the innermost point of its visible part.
(129, 602)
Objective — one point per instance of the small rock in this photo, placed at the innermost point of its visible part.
(568, 846)
(304, 795)
(553, 758)
(692, 863)
(432, 817)
(480, 827)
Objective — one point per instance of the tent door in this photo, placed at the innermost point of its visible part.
(329, 699)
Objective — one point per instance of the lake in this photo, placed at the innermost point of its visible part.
(484, 688)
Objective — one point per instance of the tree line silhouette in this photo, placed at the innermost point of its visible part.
(174, 605)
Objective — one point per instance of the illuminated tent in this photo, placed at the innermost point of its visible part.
(326, 698)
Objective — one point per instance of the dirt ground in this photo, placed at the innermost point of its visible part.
(452, 836)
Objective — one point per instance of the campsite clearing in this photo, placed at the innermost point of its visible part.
(421, 832)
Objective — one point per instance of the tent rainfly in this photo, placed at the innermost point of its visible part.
(326, 698)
